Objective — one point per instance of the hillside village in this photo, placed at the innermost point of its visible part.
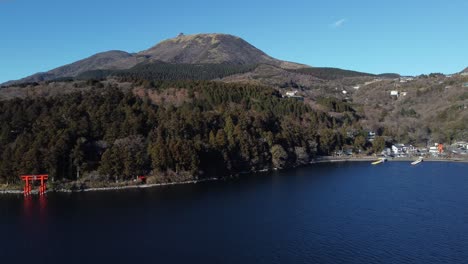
(402, 103)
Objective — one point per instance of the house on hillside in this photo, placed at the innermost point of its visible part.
(406, 79)
(293, 94)
(394, 93)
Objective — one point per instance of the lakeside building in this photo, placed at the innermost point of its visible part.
(402, 150)
(460, 144)
(398, 149)
(386, 152)
(433, 150)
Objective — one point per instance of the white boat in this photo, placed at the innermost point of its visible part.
(416, 162)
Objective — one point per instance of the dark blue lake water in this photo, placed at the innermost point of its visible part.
(324, 213)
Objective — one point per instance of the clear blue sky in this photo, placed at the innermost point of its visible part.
(408, 37)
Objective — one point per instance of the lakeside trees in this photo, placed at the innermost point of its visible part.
(119, 135)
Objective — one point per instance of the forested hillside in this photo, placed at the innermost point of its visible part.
(175, 131)
(331, 73)
(167, 71)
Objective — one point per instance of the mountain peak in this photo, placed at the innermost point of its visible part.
(213, 37)
(207, 48)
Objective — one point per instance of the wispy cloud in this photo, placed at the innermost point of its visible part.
(338, 23)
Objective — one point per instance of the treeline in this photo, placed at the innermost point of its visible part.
(110, 135)
(325, 73)
(167, 72)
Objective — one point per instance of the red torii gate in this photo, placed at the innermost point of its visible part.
(28, 179)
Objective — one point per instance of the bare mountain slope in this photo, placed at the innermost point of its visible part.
(114, 59)
(212, 48)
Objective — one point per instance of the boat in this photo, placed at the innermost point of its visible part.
(416, 162)
(381, 160)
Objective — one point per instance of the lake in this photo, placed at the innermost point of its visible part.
(325, 213)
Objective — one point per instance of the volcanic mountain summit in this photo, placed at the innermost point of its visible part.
(184, 49)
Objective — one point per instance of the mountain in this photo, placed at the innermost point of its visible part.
(212, 49)
(465, 70)
(114, 59)
(184, 49)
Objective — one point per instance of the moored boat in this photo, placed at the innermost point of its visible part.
(416, 162)
(381, 160)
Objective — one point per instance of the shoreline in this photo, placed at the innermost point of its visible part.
(115, 188)
(324, 159)
(370, 158)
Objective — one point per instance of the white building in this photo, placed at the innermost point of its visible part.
(461, 144)
(397, 149)
(395, 93)
(433, 150)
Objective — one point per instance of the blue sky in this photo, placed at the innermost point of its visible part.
(408, 37)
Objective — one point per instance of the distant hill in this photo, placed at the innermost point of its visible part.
(331, 73)
(465, 70)
(389, 75)
(106, 60)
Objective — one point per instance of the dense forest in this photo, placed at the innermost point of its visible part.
(325, 73)
(167, 71)
(174, 130)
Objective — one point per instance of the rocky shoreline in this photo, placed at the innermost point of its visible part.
(115, 188)
(324, 159)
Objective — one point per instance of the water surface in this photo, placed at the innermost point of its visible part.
(324, 213)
